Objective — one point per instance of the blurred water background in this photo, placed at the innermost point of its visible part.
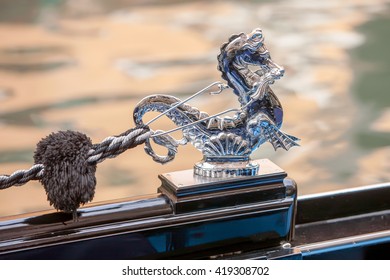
(84, 64)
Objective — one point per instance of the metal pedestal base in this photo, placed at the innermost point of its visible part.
(217, 169)
(257, 209)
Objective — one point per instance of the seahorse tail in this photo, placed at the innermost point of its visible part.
(181, 115)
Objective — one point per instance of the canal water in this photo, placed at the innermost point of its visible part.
(84, 65)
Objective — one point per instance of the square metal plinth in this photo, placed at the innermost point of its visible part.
(189, 192)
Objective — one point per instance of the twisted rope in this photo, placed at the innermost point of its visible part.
(21, 177)
(110, 147)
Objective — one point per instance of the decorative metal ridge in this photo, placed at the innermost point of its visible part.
(226, 142)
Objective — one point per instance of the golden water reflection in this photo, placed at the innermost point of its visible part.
(82, 65)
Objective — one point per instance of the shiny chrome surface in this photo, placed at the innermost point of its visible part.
(61, 70)
(227, 142)
(190, 192)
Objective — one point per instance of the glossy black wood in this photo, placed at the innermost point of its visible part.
(205, 216)
(343, 203)
(147, 227)
(51, 227)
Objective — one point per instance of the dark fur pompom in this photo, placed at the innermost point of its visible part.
(68, 179)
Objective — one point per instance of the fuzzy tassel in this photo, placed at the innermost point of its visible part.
(68, 179)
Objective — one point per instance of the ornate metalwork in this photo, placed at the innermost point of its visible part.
(226, 142)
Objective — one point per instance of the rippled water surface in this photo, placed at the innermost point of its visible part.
(84, 64)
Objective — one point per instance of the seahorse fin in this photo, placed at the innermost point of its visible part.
(279, 139)
(293, 138)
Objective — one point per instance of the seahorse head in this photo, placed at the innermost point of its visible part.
(235, 57)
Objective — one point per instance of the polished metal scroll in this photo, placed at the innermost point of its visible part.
(226, 142)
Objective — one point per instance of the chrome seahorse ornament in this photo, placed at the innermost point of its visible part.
(226, 142)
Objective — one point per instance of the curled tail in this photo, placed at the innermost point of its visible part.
(181, 115)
